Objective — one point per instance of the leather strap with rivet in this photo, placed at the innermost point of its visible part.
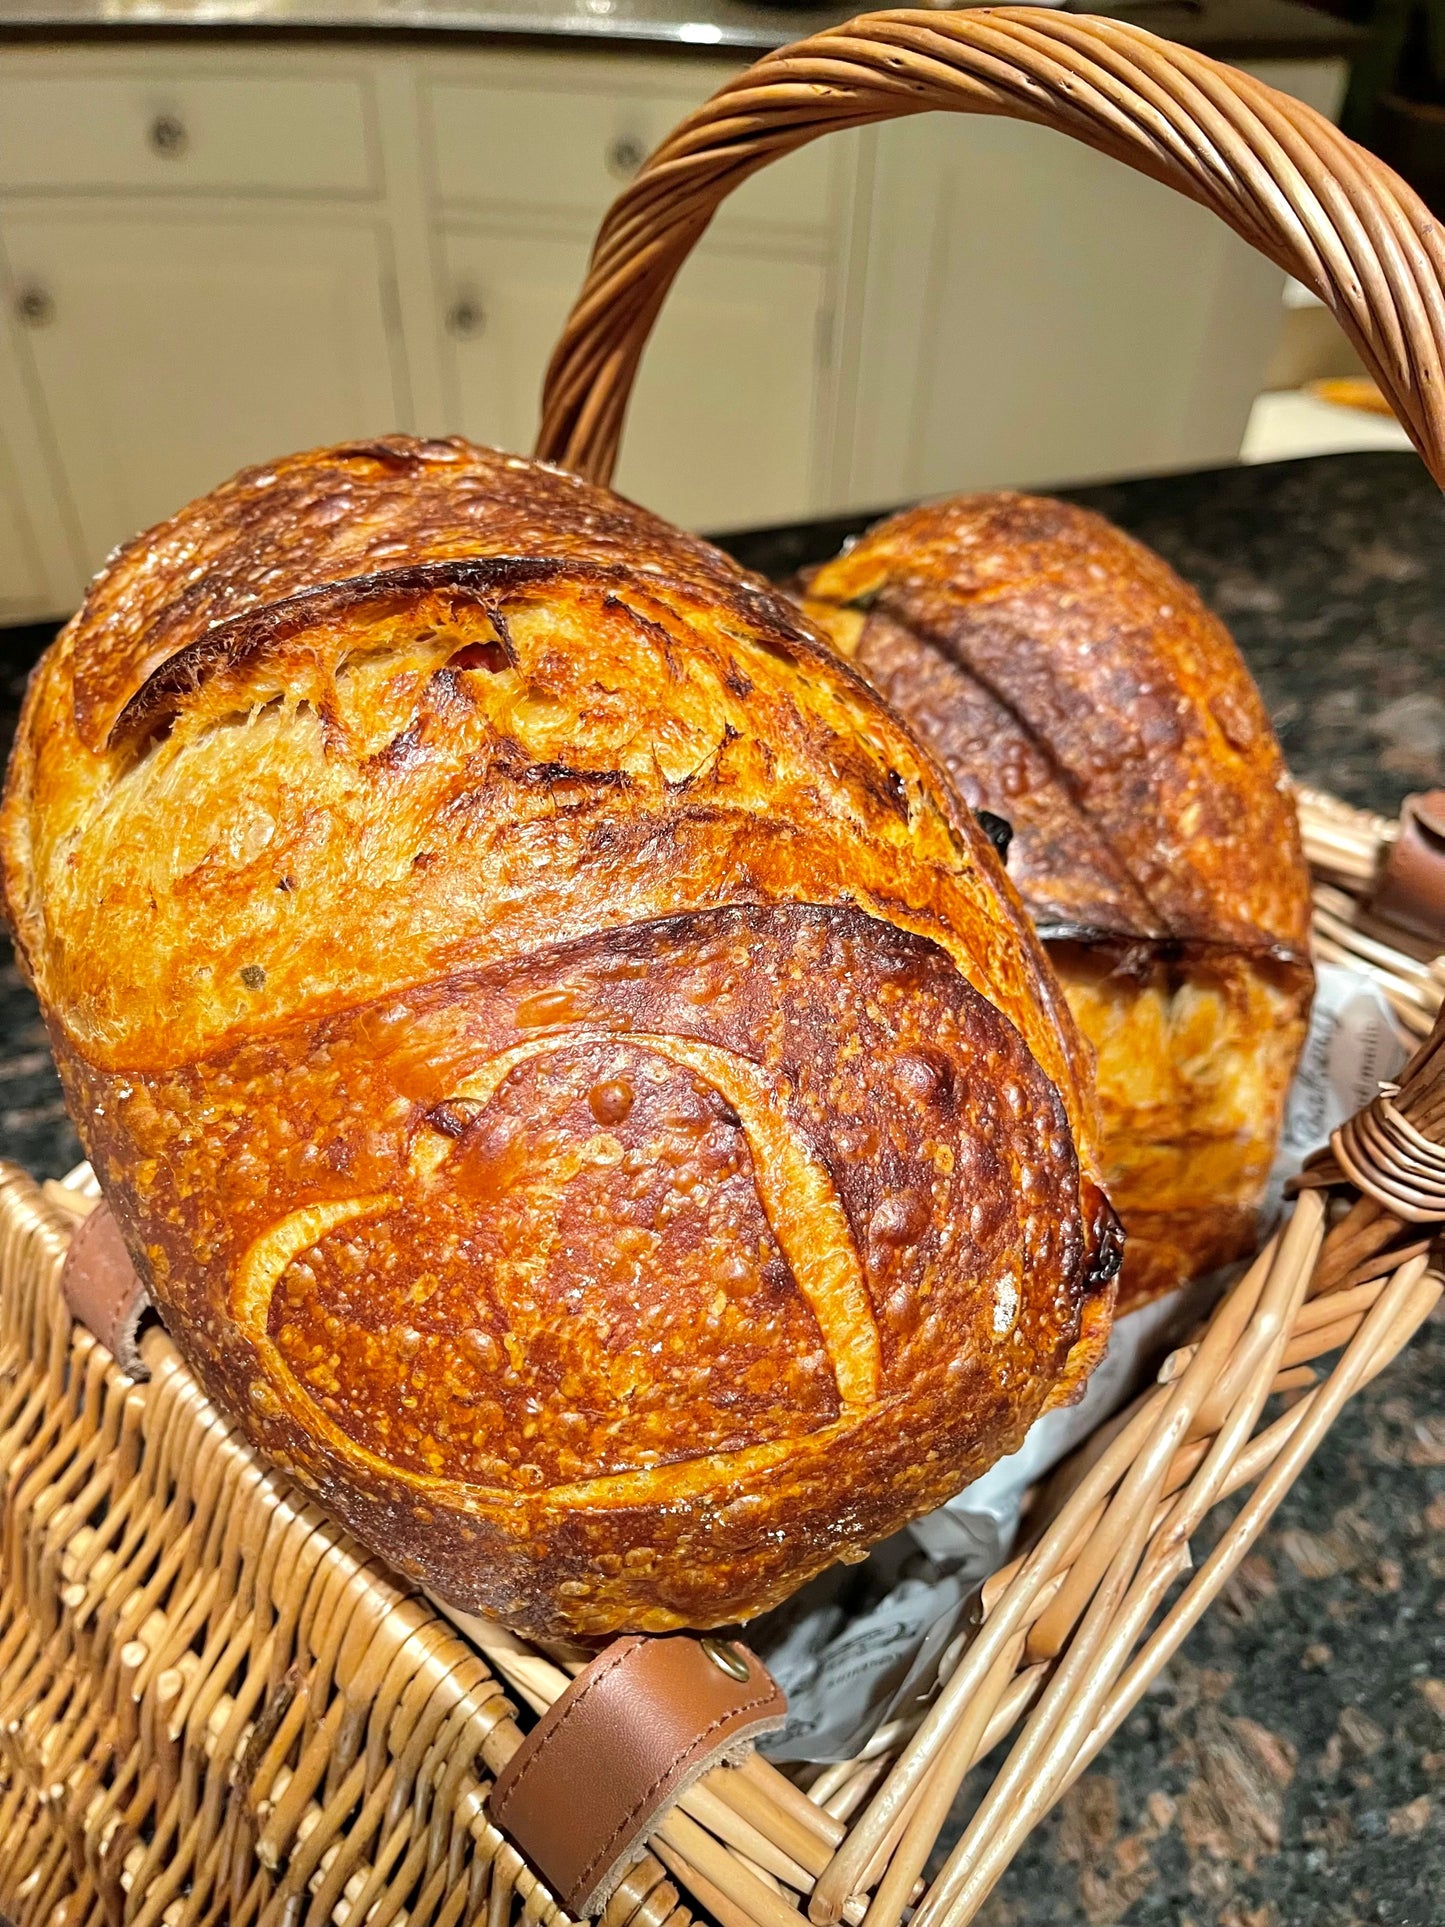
(1410, 890)
(103, 1290)
(606, 1761)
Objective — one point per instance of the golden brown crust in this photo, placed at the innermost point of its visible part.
(605, 1246)
(1073, 685)
(1071, 682)
(582, 1093)
(351, 514)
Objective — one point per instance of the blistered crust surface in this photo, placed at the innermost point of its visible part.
(347, 514)
(583, 1090)
(1072, 683)
(763, 1215)
(361, 784)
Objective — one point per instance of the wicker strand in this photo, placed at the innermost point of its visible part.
(1385, 1157)
(1137, 1462)
(189, 1588)
(1132, 1588)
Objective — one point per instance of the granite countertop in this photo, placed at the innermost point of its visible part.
(1229, 29)
(1288, 1770)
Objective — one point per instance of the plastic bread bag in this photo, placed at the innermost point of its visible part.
(865, 1646)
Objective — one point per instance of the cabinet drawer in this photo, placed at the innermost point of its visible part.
(572, 151)
(123, 132)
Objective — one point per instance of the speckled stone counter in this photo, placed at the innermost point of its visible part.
(1289, 1768)
(1227, 29)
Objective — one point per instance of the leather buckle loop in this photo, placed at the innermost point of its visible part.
(647, 1718)
(103, 1290)
(1410, 890)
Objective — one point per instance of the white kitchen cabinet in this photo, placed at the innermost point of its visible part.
(723, 427)
(731, 418)
(562, 137)
(213, 253)
(172, 347)
(745, 338)
(1034, 313)
(210, 256)
(176, 129)
(40, 574)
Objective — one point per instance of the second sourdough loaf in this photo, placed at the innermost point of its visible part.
(1076, 688)
(581, 1091)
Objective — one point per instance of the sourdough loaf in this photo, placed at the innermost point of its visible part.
(581, 1092)
(1075, 687)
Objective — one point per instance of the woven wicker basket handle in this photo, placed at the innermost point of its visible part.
(1276, 171)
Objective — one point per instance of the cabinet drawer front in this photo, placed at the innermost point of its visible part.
(123, 132)
(572, 151)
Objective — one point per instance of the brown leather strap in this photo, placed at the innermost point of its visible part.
(604, 1763)
(1411, 887)
(103, 1290)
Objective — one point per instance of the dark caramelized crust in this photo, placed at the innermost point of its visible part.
(704, 1213)
(1073, 685)
(1076, 686)
(583, 1094)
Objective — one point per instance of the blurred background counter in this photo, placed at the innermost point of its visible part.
(235, 227)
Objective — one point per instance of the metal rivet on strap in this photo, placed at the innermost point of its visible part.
(726, 1658)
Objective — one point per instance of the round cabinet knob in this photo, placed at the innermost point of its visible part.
(35, 307)
(625, 156)
(465, 318)
(168, 136)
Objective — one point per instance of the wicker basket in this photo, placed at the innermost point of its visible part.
(213, 1703)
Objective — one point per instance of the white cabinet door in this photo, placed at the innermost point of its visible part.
(725, 426)
(173, 346)
(39, 568)
(1035, 313)
(536, 134)
(23, 587)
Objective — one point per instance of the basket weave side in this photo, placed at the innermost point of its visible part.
(213, 1705)
(1273, 169)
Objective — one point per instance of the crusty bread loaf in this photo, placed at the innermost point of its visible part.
(583, 1094)
(1074, 686)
